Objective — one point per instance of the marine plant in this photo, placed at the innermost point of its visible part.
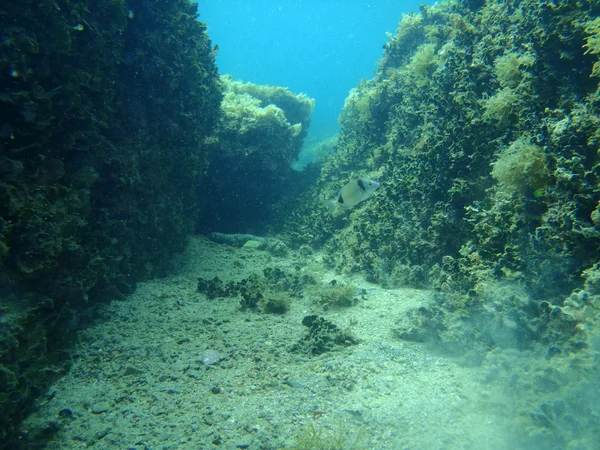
(276, 303)
(423, 62)
(521, 166)
(317, 438)
(270, 292)
(334, 294)
(501, 107)
(322, 336)
(510, 68)
(592, 45)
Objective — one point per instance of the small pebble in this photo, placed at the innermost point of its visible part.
(65, 413)
(130, 370)
(210, 357)
(100, 407)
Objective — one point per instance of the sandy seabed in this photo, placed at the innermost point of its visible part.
(139, 382)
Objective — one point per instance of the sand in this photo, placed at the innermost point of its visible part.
(139, 380)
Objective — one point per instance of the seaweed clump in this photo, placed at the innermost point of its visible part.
(336, 294)
(322, 336)
(272, 292)
(215, 288)
(592, 28)
(313, 438)
(521, 167)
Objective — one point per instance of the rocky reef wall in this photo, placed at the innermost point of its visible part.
(105, 106)
(482, 125)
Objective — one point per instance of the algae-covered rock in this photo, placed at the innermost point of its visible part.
(270, 292)
(481, 125)
(479, 159)
(104, 107)
(259, 136)
(322, 336)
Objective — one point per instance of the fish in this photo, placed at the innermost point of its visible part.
(352, 194)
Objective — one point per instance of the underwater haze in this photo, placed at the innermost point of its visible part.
(321, 48)
(272, 225)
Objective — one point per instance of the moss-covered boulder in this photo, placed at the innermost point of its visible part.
(482, 127)
(259, 136)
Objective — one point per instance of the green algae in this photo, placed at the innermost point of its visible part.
(317, 438)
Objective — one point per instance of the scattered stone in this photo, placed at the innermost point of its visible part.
(210, 357)
(254, 245)
(65, 413)
(100, 407)
(277, 247)
(294, 383)
(236, 240)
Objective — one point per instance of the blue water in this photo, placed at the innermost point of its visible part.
(321, 48)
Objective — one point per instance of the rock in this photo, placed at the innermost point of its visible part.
(277, 247)
(210, 357)
(236, 240)
(132, 371)
(253, 244)
(100, 407)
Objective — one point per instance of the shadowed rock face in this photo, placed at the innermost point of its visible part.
(101, 127)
